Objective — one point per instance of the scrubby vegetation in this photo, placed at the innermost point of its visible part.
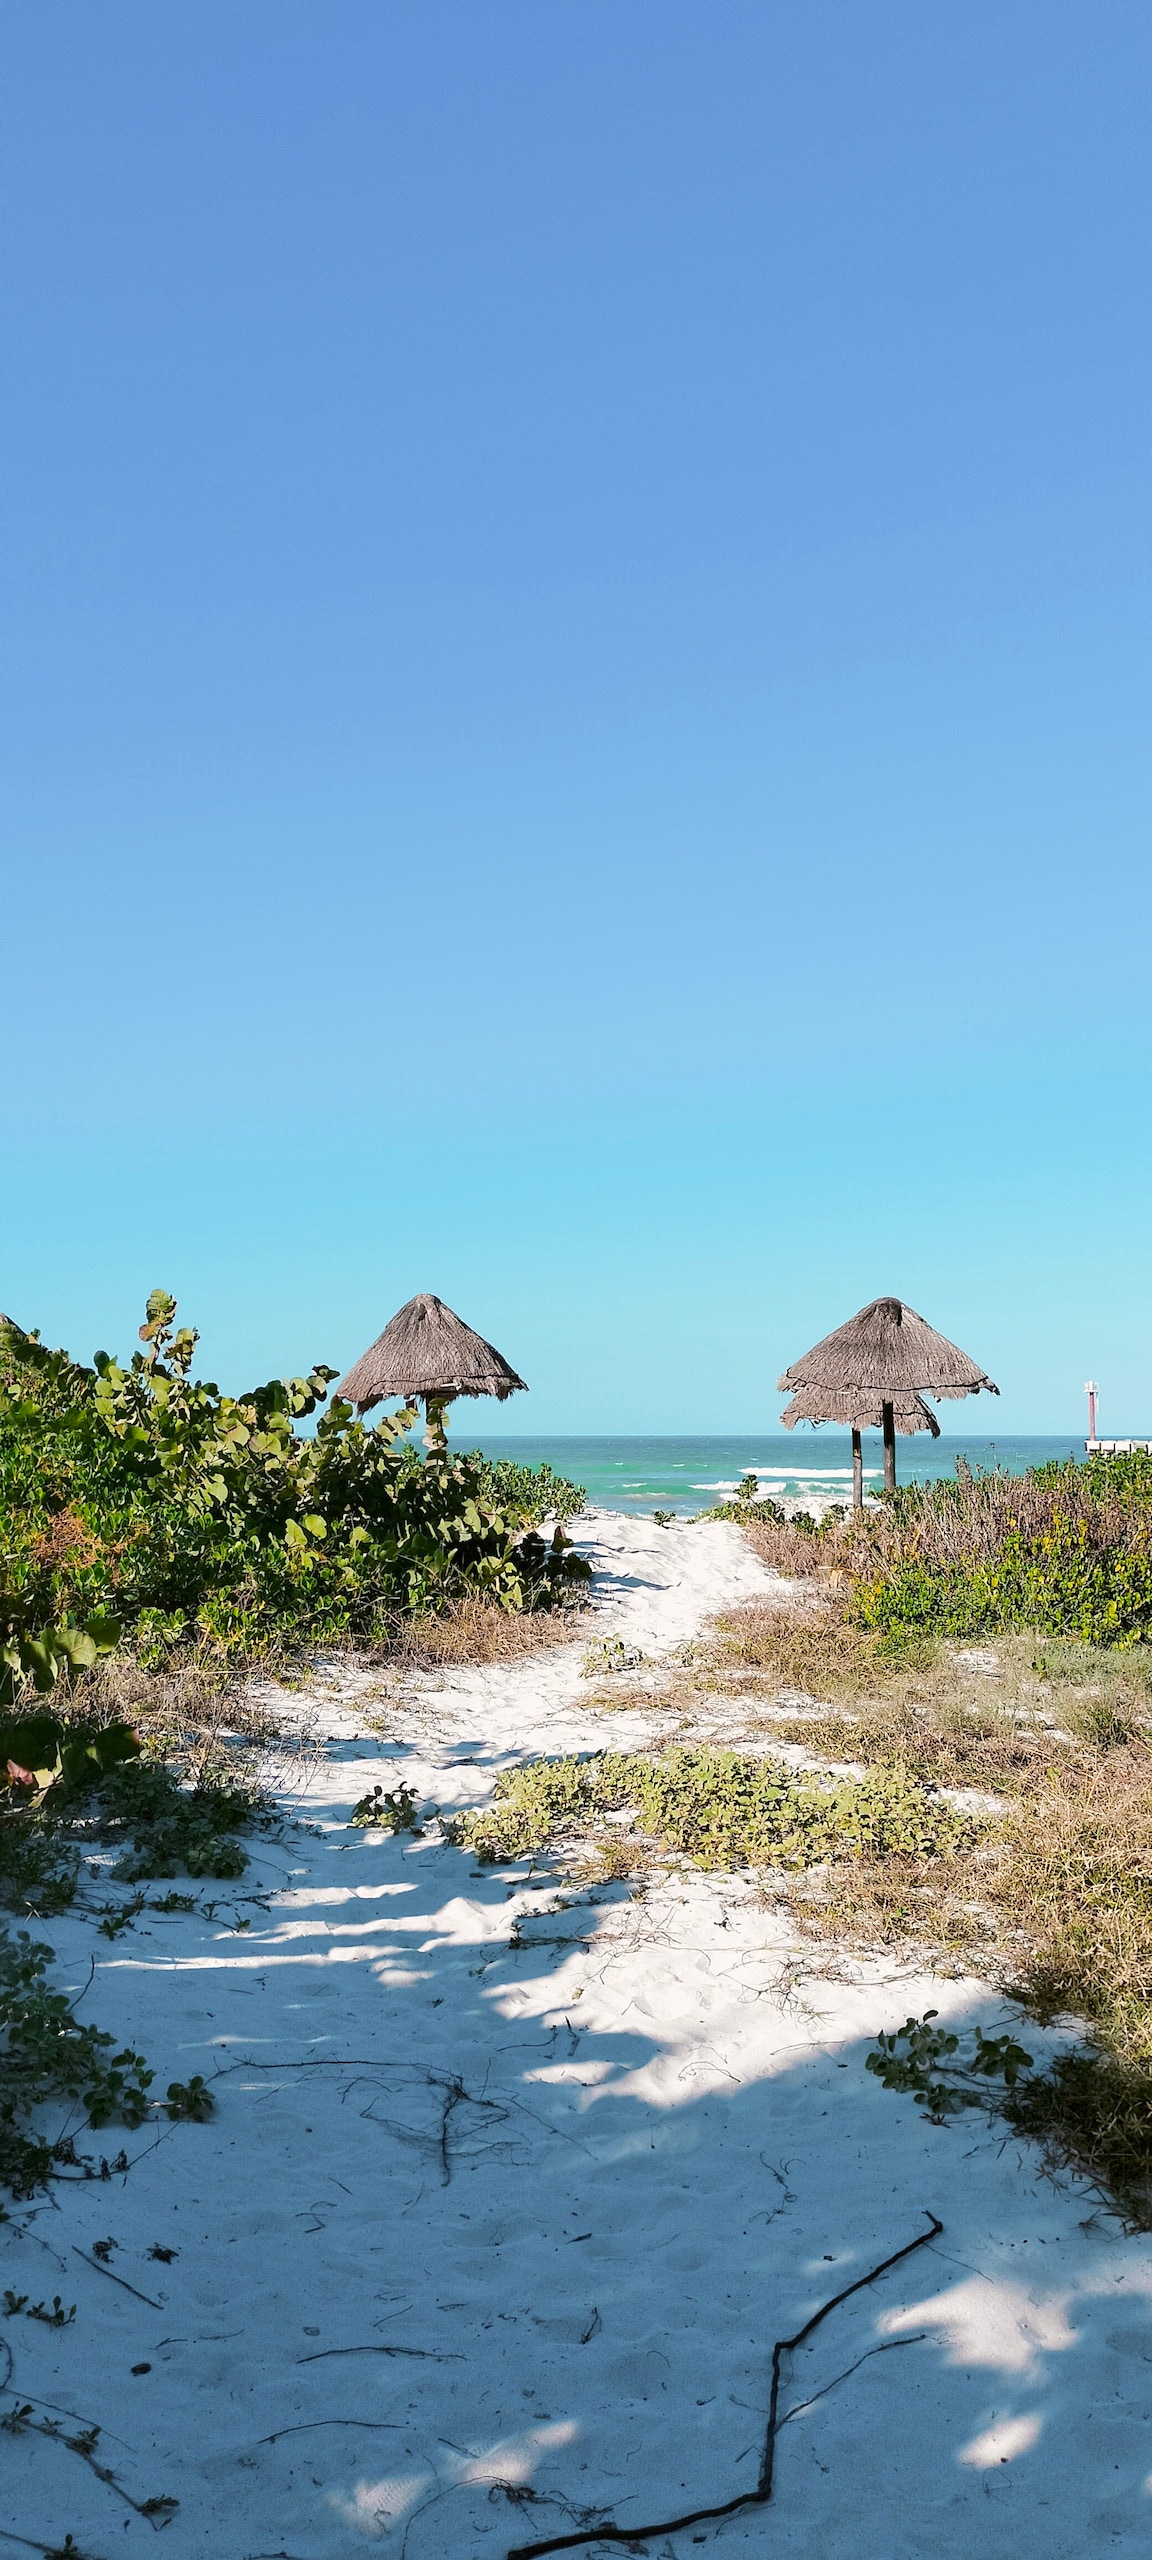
(157, 1538)
(137, 1502)
(508, 1484)
(931, 2065)
(794, 1544)
(71, 1784)
(47, 2055)
(1065, 1549)
(1055, 1566)
(1054, 1902)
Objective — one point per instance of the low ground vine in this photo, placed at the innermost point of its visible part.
(941, 2074)
(47, 2055)
(91, 1788)
(720, 1808)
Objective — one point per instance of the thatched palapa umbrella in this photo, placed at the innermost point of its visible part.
(427, 1352)
(876, 1369)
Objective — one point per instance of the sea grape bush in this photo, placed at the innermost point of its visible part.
(43, 1655)
(542, 1494)
(39, 1752)
(138, 1498)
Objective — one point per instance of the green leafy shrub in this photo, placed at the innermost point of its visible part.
(139, 1498)
(534, 1493)
(1089, 2111)
(747, 1505)
(720, 1808)
(45, 1751)
(49, 1654)
(189, 2101)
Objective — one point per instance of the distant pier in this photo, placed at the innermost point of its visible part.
(1114, 1448)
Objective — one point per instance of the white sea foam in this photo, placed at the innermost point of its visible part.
(782, 1477)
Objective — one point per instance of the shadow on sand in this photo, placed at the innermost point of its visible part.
(506, 2202)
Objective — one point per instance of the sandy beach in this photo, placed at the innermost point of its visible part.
(510, 2191)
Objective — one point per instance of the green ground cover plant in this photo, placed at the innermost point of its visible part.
(95, 1787)
(91, 1787)
(47, 2056)
(139, 1504)
(720, 1808)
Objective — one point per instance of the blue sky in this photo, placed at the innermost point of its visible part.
(576, 685)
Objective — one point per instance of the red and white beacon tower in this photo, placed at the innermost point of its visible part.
(1091, 1390)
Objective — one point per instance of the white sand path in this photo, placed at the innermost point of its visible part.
(484, 2237)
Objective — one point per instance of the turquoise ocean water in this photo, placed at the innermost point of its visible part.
(687, 1475)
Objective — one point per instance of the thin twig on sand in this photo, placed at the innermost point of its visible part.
(760, 2495)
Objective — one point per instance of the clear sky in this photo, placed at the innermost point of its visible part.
(576, 685)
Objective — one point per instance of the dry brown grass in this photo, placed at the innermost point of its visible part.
(1074, 1894)
(785, 1549)
(958, 1524)
(471, 1631)
(201, 1725)
(200, 1719)
(806, 1646)
(1095, 2115)
(1055, 1906)
(959, 1716)
(928, 1908)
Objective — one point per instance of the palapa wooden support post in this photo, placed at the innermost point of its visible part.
(857, 1471)
(435, 1435)
(888, 1425)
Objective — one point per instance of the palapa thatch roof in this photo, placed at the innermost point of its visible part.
(428, 1351)
(858, 1412)
(884, 1355)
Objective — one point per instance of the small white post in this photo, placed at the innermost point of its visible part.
(1091, 1390)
